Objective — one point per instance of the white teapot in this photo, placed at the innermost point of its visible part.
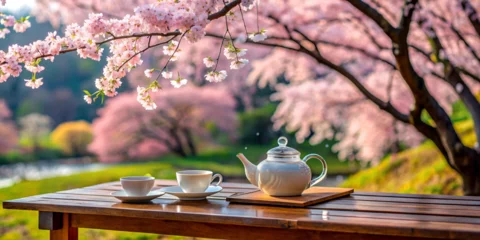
(283, 173)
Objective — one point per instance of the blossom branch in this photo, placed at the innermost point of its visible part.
(243, 20)
(171, 56)
(145, 49)
(220, 51)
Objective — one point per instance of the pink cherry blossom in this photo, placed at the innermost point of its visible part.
(167, 75)
(8, 21)
(34, 82)
(258, 36)
(208, 61)
(237, 64)
(231, 52)
(177, 83)
(163, 23)
(149, 72)
(87, 99)
(216, 76)
(21, 26)
(4, 32)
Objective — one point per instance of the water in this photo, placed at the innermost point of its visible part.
(13, 173)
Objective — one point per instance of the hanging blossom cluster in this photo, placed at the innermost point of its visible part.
(18, 25)
(164, 23)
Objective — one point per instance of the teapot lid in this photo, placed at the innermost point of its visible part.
(282, 149)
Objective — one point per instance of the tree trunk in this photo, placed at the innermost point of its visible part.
(469, 169)
(178, 146)
(191, 145)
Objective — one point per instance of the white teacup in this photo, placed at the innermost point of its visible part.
(137, 185)
(196, 181)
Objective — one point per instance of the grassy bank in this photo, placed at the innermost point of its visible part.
(418, 170)
(23, 224)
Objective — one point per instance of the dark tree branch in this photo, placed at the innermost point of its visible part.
(454, 79)
(371, 37)
(407, 15)
(224, 10)
(458, 34)
(386, 10)
(375, 16)
(469, 74)
(471, 14)
(360, 50)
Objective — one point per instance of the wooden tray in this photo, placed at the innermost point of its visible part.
(309, 197)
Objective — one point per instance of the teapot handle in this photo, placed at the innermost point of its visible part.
(324, 172)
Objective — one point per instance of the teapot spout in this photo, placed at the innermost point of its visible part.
(250, 169)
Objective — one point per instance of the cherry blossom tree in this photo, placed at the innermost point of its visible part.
(8, 131)
(125, 131)
(379, 71)
(403, 60)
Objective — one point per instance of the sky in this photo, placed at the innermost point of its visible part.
(17, 6)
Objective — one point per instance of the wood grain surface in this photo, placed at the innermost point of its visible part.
(309, 197)
(361, 215)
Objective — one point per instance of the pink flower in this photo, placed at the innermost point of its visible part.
(34, 68)
(8, 21)
(177, 83)
(87, 99)
(208, 61)
(21, 26)
(95, 25)
(4, 32)
(4, 77)
(258, 36)
(238, 64)
(216, 76)
(169, 50)
(148, 73)
(143, 96)
(167, 75)
(232, 52)
(195, 33)
(34, 82)
(12, 68)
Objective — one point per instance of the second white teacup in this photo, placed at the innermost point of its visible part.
(196, 181)
(137, 185)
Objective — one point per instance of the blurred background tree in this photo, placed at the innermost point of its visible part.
(35, 128)
(178, 125)
(73, 138)
(8, 130)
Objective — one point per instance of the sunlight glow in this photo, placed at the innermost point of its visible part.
(18, 5)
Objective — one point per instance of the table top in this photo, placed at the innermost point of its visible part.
(411, 215)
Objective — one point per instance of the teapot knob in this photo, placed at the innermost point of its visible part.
(282, 141)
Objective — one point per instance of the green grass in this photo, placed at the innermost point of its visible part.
(419, 170)
(15, 224)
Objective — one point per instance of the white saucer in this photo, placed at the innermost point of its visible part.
(178, 192)
(122, 196)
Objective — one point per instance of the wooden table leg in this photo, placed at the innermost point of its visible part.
(59, 225)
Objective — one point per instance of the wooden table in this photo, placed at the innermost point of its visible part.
(360, 216)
